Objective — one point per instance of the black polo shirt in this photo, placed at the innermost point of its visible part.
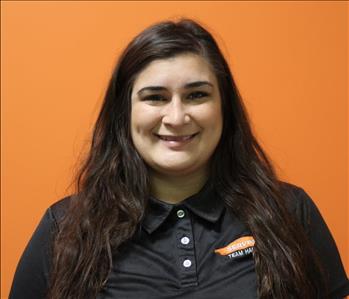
(195, 249)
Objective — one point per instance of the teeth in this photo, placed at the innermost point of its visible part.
(176, 138)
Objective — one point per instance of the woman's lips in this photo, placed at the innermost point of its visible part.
(173, 141)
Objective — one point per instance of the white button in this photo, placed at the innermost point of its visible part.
(187, 263)
(180, 213)
(185, 240)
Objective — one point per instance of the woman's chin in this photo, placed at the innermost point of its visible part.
(176, 169)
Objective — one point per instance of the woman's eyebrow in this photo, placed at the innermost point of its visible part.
(197, 84)
(186, 86)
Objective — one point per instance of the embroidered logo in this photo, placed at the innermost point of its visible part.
(238, 248)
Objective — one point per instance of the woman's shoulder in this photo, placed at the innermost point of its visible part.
(293, 195)
(298, 202)
(58, 209)
(292, 190)
(305, 210)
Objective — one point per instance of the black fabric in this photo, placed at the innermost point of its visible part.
(151, 264)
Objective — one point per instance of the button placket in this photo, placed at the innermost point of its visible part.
(186, 249)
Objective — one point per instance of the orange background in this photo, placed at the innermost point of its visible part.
(290, 60)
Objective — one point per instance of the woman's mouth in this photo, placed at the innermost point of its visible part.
(174, 141)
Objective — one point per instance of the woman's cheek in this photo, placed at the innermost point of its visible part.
(144, 118)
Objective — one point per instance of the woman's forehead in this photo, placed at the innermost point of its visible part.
(175, 72)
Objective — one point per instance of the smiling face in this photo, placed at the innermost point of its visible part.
(176, 117)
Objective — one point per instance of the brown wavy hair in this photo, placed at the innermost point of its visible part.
(112, 186)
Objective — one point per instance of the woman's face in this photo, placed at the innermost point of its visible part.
(176, 117)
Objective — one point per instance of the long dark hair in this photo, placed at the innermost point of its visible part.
(113, 183)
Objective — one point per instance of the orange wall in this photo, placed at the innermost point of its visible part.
(289, 59)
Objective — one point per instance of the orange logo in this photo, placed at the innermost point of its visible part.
(237, 246)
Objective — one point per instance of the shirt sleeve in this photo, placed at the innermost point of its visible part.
(324, 245)
(31, 277)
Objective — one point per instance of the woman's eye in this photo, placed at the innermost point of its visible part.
(155, 98)
(197, 95)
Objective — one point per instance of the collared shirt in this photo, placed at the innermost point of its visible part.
(195, 249)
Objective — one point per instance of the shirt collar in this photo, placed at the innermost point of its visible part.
(205, 204)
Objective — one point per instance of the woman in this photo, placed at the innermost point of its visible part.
(176, 198)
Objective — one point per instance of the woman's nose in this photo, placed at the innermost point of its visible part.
(175, 113)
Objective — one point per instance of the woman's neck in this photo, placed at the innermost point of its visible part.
(174, 189)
